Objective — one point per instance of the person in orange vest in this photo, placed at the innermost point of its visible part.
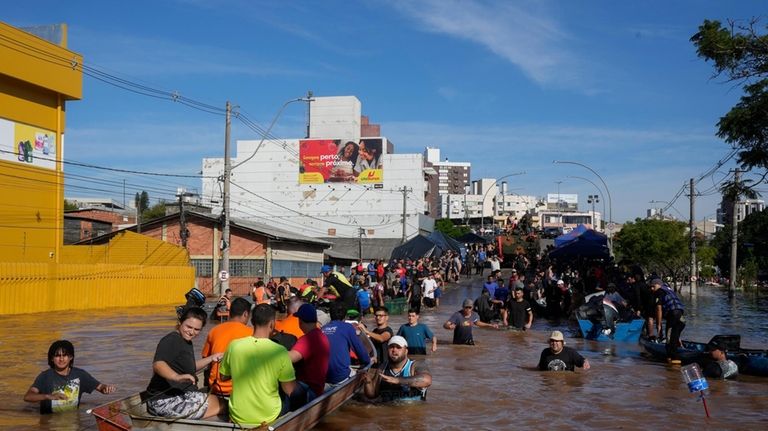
(260, 293)
(223, 305)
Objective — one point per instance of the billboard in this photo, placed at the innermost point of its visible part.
(27, 144)
(336, 161)
(567, 198)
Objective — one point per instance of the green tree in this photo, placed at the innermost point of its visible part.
(447, 227)
(752, 245)
(740, 54)
(155, 211)
(657, 245)
(69, 206)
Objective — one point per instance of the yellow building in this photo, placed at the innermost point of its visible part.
(37, 272)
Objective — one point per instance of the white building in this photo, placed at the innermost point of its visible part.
(266, 185)
(453, 178)
(484, 198)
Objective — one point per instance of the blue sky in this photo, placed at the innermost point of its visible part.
(508, 86)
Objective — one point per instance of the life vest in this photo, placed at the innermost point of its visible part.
(260, 295)
(391, 392)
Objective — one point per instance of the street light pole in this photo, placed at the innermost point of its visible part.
(592, 199)
(598, 190)
(559, 212)
(225, 231)
(485, 195)
(608, 192)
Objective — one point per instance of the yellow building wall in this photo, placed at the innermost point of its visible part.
(41, 287)
(132, 270)
(37, 272)
(36, 77)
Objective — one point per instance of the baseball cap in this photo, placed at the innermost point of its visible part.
(468, 303)
(656, 281)
(714, 345)
(400, 341)
(325, 268)
(560, 282)
(519, 288)
(557, 336)
(307, 313)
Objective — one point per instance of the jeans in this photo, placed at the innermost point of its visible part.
(675, 326)
(611, 316)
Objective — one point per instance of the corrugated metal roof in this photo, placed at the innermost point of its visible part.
(235, 223)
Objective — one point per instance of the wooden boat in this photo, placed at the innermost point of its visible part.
(625, 331)
(130, 413)
(750, 361)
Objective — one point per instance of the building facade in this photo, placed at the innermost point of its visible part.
(292, 184)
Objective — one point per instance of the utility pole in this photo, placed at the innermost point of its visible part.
(405, 190)
(183, 231)
(224, 285)
(692, 229)
(734, 236)
(360, 232)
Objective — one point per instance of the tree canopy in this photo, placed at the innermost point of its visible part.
(447, 227)
(752, 245)
(657, 245)
(740, 54)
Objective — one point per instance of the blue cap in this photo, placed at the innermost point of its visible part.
(306, 313)
(325, 268)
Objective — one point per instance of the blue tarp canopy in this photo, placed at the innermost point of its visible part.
(590, 244)
(570, 236)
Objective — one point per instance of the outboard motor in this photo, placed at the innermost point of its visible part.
(195, 298)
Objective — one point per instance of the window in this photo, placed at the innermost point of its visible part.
(246, 267)
(203, 267)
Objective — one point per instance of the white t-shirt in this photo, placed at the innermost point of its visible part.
(428, 286)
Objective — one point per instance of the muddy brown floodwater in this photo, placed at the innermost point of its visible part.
(493, 385)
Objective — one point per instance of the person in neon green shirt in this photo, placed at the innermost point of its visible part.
(258, 367)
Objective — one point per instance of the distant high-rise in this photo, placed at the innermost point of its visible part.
(452, 177)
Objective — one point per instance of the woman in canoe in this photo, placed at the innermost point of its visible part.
(172, 390)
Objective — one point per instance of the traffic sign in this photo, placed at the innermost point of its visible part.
(223, 275)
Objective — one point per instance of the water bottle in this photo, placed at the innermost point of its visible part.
(694, 378)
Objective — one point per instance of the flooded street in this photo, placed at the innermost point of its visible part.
(493, 385)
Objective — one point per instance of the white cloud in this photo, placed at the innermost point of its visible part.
(531, 41)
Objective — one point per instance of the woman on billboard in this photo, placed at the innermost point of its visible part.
(370, 155)
(343, 169)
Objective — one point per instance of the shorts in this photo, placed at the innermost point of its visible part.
(190, 405)
(438, 293)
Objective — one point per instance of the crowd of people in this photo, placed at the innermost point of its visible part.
(256, 373)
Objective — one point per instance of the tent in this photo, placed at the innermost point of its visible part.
(416, 247)
(570, 236)
(444, 242)
(590, 243)
(433, 245)
(472, 238)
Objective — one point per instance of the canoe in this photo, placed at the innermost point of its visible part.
(130, 413)
(625, 331)
(752, 362)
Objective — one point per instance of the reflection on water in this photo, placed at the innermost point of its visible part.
(493, 385)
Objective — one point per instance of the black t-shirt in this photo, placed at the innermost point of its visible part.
(72, 385)
(180, 356)
(462, 333)
(518, 313)
(381, 353)
(567, 359)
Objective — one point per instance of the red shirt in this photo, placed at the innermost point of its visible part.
(315, 350)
